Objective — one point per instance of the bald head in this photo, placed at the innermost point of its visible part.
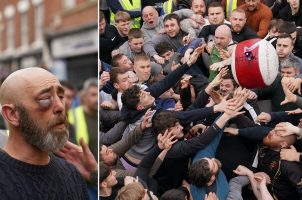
(148, 9)
(275, 140)
(223, 36)
(16, 84)
(223, 30)
(150, 16)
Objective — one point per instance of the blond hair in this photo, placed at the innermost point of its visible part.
(133, 191)
(121, 16)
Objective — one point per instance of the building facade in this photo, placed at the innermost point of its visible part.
(60, 35)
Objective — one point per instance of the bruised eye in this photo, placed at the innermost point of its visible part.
(45, 102)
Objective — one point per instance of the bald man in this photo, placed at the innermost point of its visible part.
(221, 48)
(153, 24)
(33, 105)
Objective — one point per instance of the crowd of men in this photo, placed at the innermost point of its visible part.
(174, 124)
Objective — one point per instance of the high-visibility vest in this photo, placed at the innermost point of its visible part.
(167, 7)
(76, 117)
(127, 6)
(230, 6)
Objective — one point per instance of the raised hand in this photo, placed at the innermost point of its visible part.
(217, 80)
(264, 117)
(211, 196)
(231, 131)
(295, 85)
(286, 128)
(81, 158)
(167, 140)
(158, 59)
(260, 176)
(242, 171)
(294, 112)
(107, 105)
(184, 82)
(216, 97)
(196, 53)
(104, 78)
(178, 106)
(147, 119)
(290, 154)
(217, 66)
(198, 128)
(289, 95)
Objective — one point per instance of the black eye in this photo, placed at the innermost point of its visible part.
(45, 102)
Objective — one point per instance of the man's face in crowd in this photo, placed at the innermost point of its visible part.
(177, 130)
(274, 140)
(226, 87)
(91, 98)
(252, 4)
(216, 15)
(136, 44)
(123, 82)
(145, 100)
(42, 117)
(107, 155)
(215, 166)
(294, 4)
(237, 20)
(289, 71)
(68, 95)
(171, 27)
(125, 63)
(111, 179)
(102, 25)
(150, 16)
(123, 27)
(284, 47)
(222, 40)
(167, 55)
(142, 69)
(198, 7)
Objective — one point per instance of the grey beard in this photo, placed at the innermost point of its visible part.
(42, 138)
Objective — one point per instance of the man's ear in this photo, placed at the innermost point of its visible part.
(283, 144)
(103, 184)
(116, 86)
(10, 114)
(140, 107)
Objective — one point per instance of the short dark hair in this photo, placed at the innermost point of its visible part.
(275, 23)
(172, 16)
(164, 120)
(163, 47)
(285, 35)
(104, 171)
(215, 4)
(176, 194)
(115, 59)
(200, 173)
(287, 27)
(229, 75)
(135, 33)
(131, 97)
(115, 72)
